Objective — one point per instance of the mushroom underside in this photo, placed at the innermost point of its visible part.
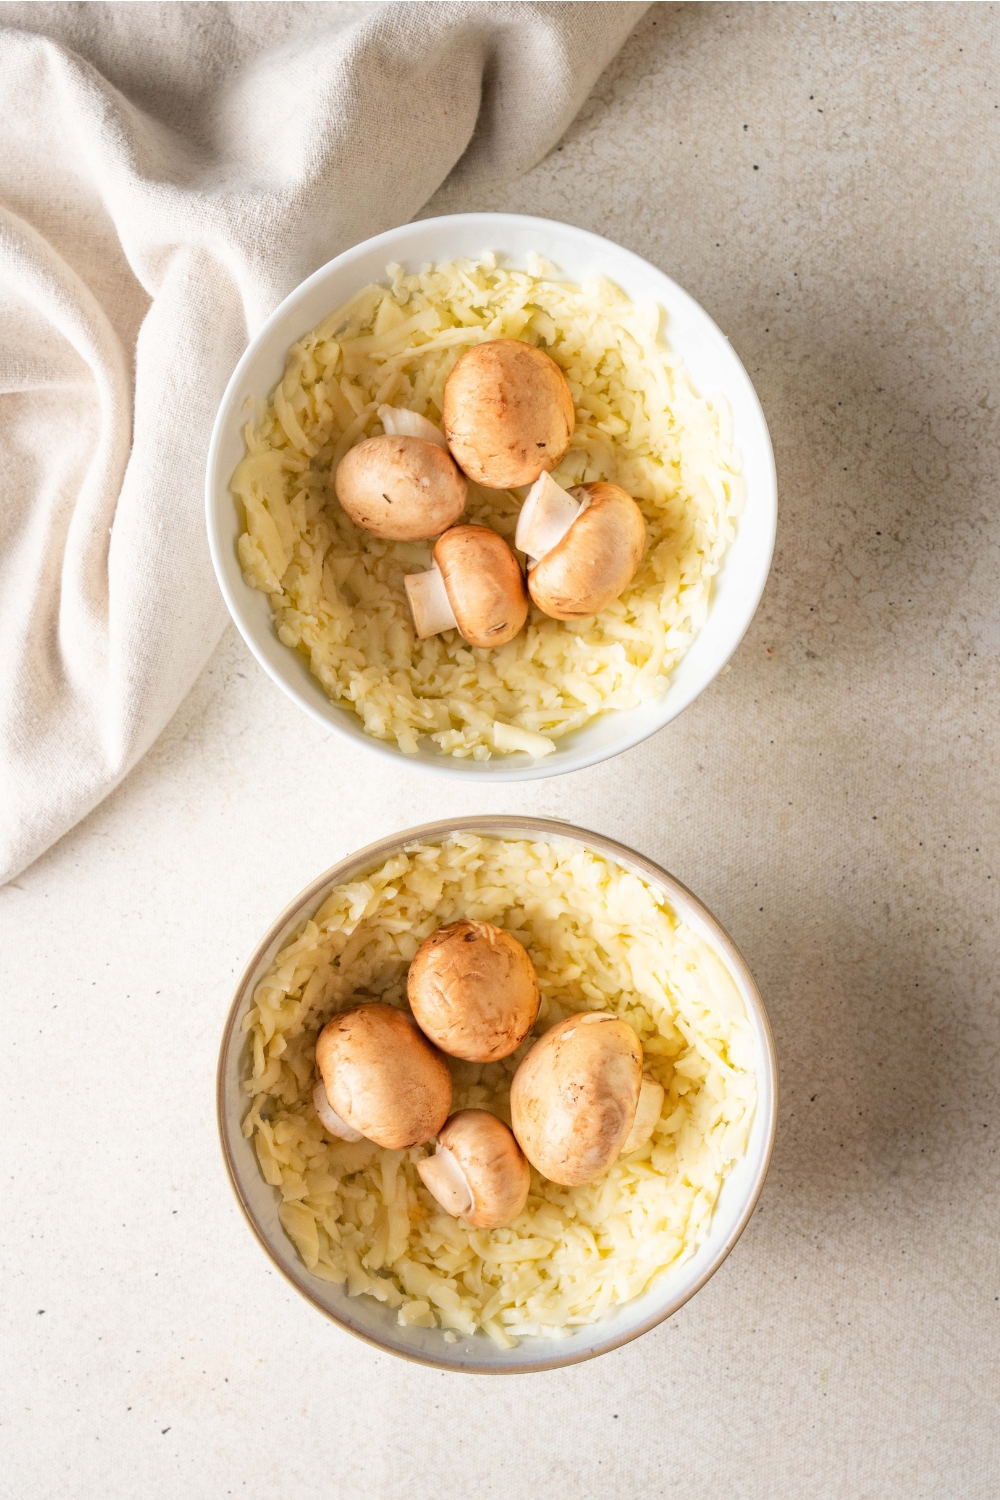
(444, 1179)
(329, 1118)
(546, 515)
(400, 421)
(429, 603)
(647, 1112)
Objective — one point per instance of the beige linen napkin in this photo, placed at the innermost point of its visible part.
(167, 174)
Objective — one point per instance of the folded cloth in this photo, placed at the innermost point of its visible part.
(168, 173)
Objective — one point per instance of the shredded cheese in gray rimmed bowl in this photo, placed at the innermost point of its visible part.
(601, 938)
(337, 593)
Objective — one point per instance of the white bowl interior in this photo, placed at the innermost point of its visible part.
(690, 332)
(372, 1320)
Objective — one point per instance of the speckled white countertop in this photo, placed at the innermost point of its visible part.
(823, 179)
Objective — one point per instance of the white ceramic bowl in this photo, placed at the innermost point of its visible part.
(690, 332)
(373, 1321)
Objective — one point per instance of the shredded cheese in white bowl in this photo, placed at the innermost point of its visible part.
(337, 592)
(663, 408)
(354, 1222)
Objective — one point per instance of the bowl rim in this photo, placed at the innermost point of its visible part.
(444, 765)
(502, 825)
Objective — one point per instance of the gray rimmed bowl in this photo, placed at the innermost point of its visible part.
(372, 1320)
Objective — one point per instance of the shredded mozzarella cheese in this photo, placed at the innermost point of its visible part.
(600, 939)
(337, 593)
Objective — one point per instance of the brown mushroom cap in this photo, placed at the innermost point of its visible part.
(508, 413)
(596, 559)
(483, 583)
(402, 488)
(487, 1179)
(383, 1077)
(574, 1097)
(473, 991)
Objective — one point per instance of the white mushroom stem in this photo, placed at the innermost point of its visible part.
(329, 1118)
(399, 421)
(429, 603)
(444, 1179)
(546, 515)
(647, 1112)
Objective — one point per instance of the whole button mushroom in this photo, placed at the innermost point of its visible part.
(475, 587)
(574, 1097)
(477, 1173)
(382, 1078)
(473, 991)
(508, 413)
(402, 488)
(584, 546)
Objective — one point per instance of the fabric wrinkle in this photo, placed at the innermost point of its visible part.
(162, 188)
